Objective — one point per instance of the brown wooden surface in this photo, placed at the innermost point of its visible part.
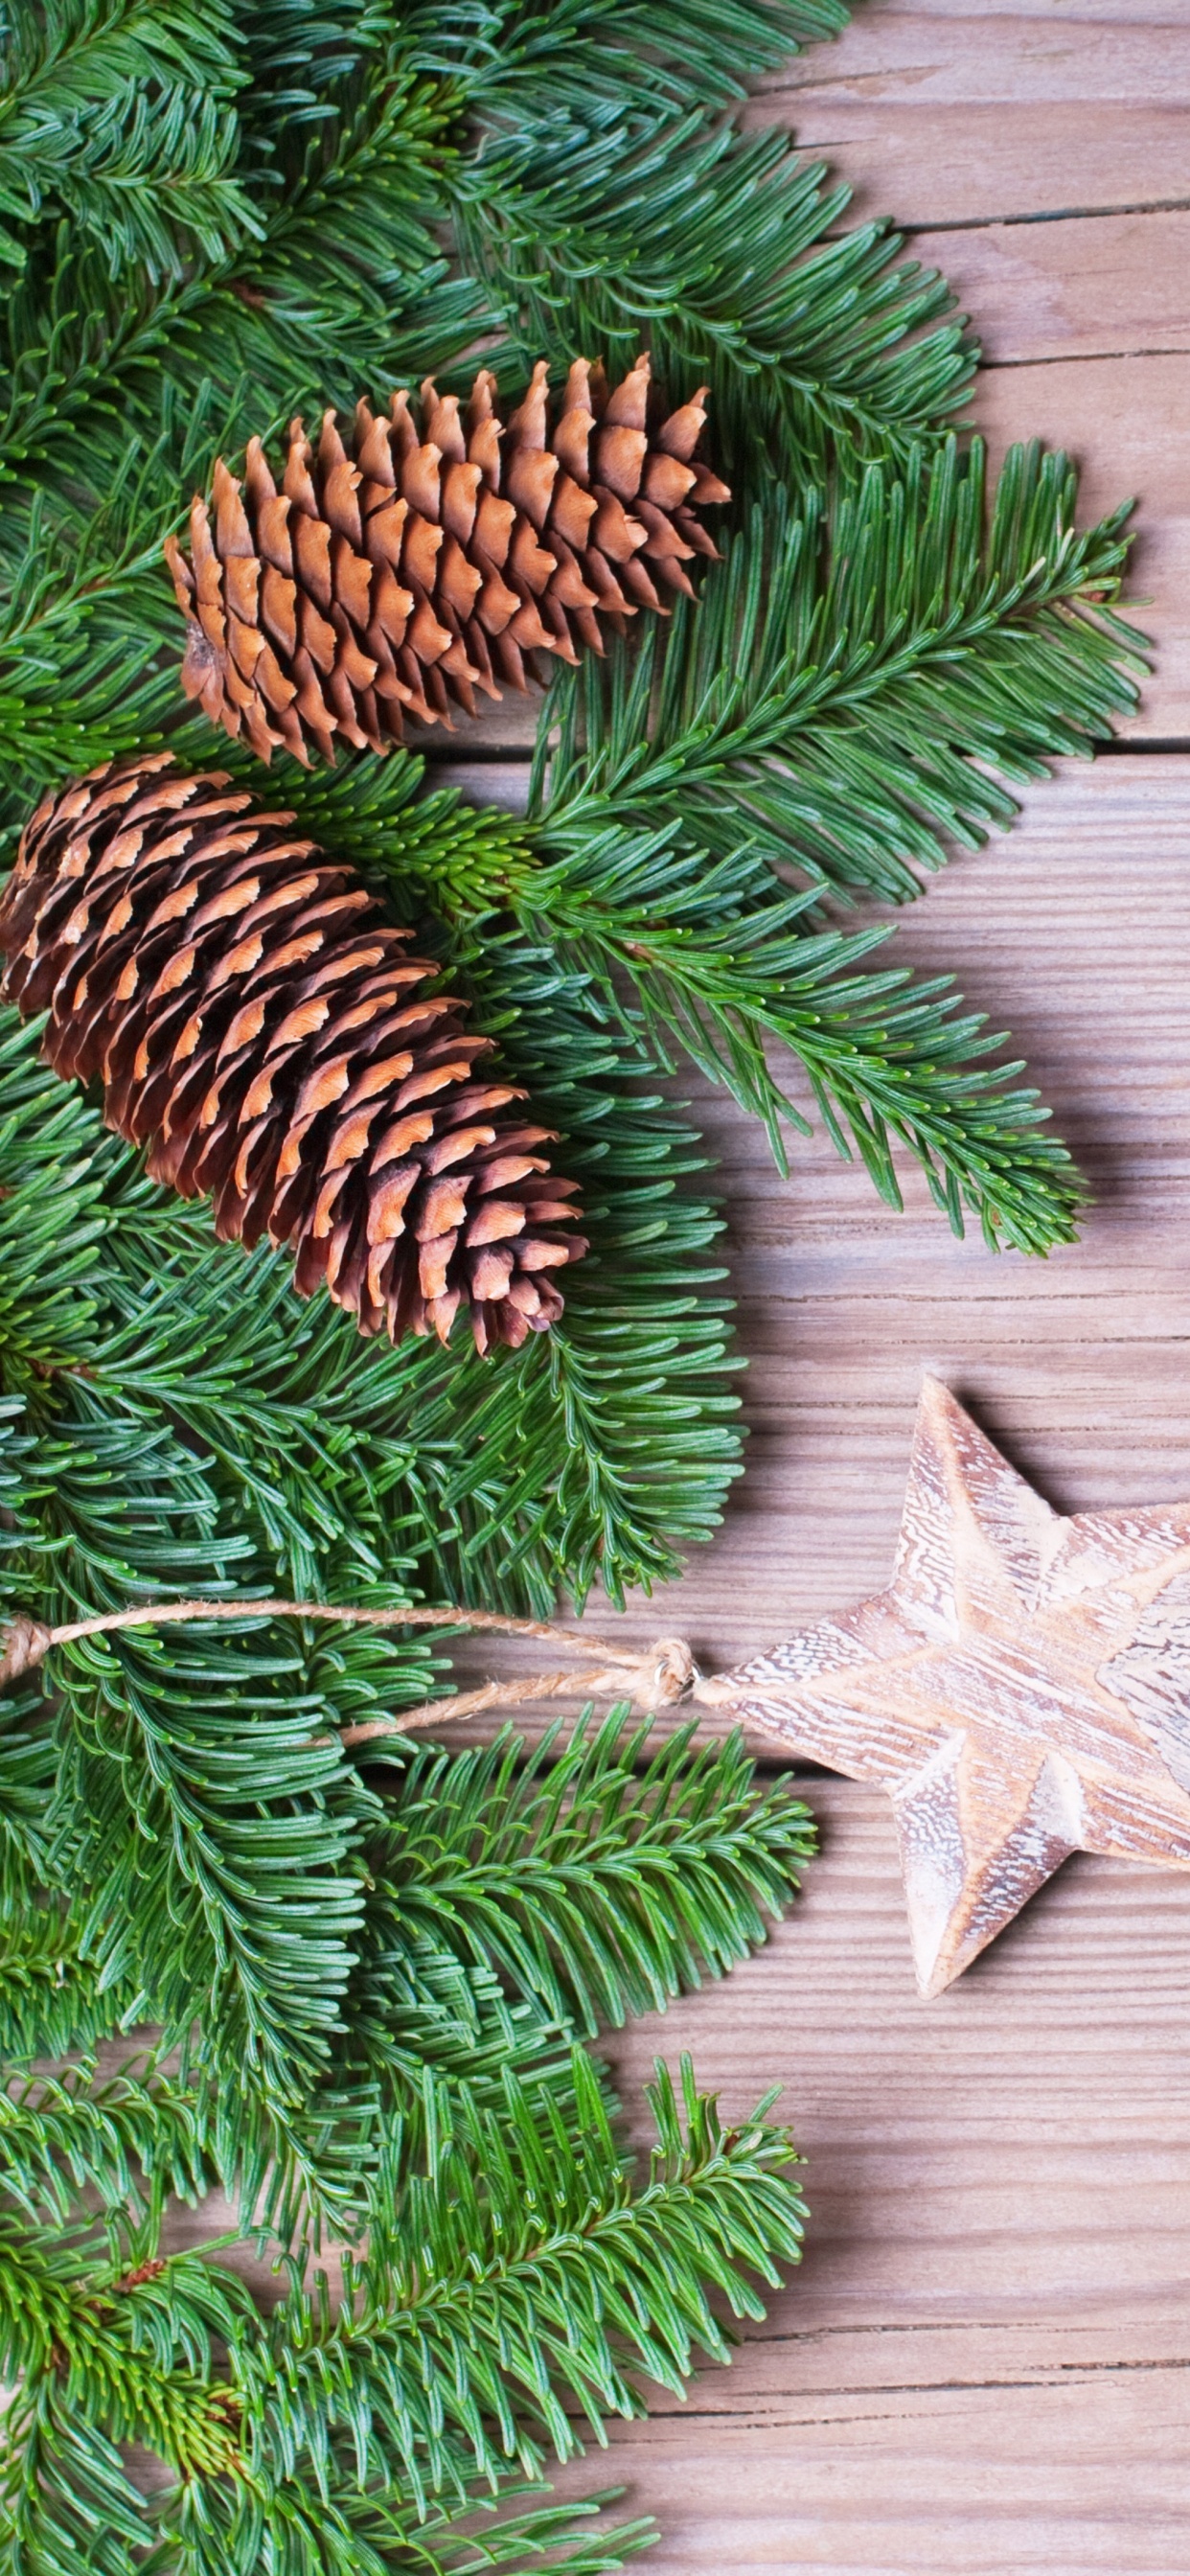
(984, 2362)
(1018, 1689)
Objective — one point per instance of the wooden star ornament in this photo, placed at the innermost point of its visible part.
(1022, 1689)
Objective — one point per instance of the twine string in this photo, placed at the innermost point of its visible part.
(663, 1676)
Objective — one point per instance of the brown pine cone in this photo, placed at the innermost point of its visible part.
(435, 561)
(265, 1032)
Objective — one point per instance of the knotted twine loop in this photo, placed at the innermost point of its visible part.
(26, 1643)
(674, 1671)
(664, 1676)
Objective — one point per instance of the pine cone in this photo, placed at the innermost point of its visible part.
(265, 1032)
(432, 564)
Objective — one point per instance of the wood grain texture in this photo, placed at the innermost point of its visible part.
(1086, 287)
(1019, 1689)
(983, 2363)
(1126, 421)
(953, 120)
(948, 113)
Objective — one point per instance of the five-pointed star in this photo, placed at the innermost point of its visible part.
(1022, 1690)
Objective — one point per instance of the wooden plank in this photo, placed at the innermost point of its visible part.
(485, 782)
(500, 726)
(1074, 933)
(1126, 421)
(948, 114)
(1058, 20)
(946, 117)
(982, 2361)
(956, 56)
(1109, 286)
(926, 166)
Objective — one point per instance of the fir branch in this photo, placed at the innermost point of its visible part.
(712, 247)
(561, 2534)
(118, 114)
(889, 1059)
(235, 1830)
(593, 1886)
(835, 712)
(355, 2531)
(537, 2271)
(87, 48)
(27, 1765)
(130, 2349)
(145, 2136)
(65, 2495)
(345, 201)
(521, 58)
(107, 2355)
(52, 1999)
(300, 54)
(136, 2140)
(415, 2009)
(841, 676)
(349, 246)
(505, 1911)
(510, 2255)
(232, 1828)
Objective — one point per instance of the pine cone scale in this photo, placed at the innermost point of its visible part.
(432, 559)
(260, 1029)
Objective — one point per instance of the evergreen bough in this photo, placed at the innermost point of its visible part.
(411, 2084)
(373, 1988)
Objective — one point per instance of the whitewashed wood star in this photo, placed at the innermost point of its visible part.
(1021, 1690)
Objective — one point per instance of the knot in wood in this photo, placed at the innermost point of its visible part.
(26, 1641)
